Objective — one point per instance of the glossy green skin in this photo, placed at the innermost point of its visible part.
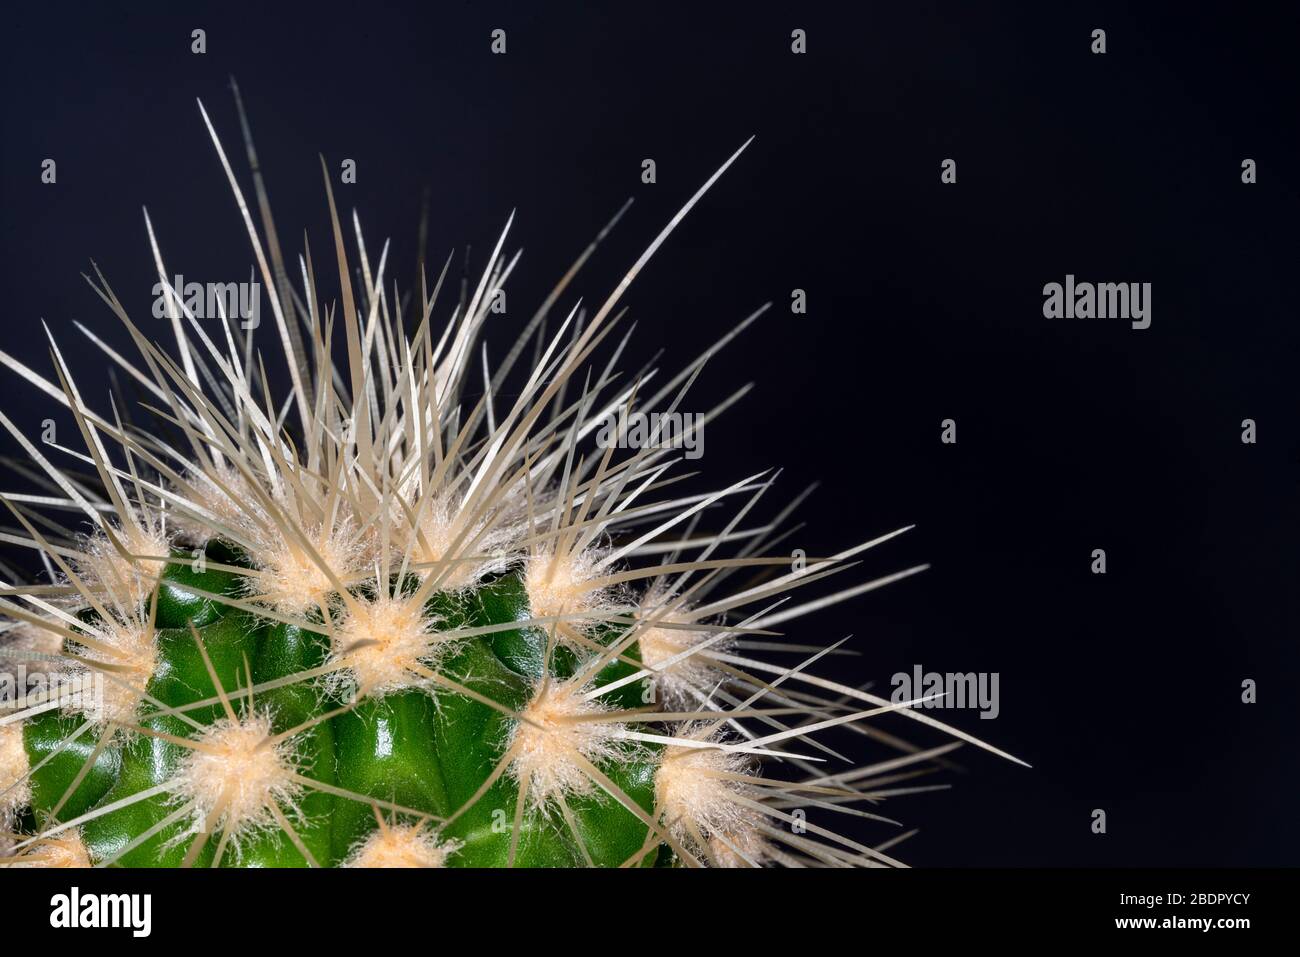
(407, 748)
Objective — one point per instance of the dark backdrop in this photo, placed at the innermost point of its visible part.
(924, 299)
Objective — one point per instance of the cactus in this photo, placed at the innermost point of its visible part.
(380, 621)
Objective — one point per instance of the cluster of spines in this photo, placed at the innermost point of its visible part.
(387, 489)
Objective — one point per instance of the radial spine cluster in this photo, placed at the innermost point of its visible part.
(399, 615)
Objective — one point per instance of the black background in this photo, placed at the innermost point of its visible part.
(925, 303)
